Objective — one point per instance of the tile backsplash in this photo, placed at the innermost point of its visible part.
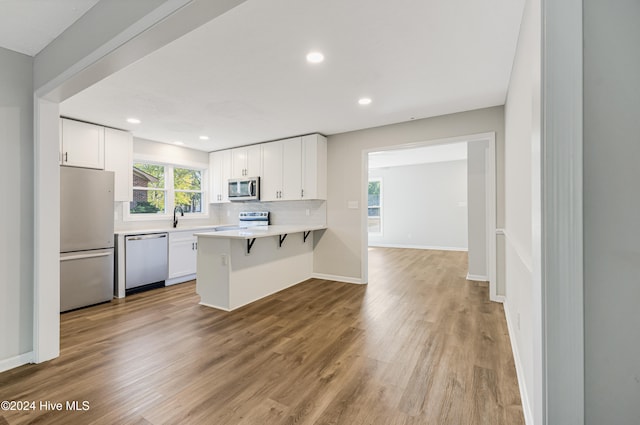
(281, 212)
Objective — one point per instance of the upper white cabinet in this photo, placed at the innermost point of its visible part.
(290, 169)
(282, 170)
(82, 144)
(314, 167)
(219, 174)
(118, 157)
(246, 161)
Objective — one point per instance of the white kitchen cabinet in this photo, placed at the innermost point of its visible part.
(82, 144)
(282, 170)
(118, 157)
(314, 167)
(220, 173)
(183, 253)
(246, 161)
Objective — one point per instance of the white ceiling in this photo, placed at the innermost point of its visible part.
(27, 26)
(421, 155)
(243, 77)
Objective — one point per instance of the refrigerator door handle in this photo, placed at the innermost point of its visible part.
(82, 256)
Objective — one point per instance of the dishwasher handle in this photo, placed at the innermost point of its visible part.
(143, 237)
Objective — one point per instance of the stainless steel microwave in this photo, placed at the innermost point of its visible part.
(244, 189)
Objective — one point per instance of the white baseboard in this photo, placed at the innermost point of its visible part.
(435, 248)
(499, 299)
(524, 397)
(338, 278)
(477, 278)
(16, 361)
(214, 306)
(180, 279)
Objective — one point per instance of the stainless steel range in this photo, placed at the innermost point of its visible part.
(248, 219)
(253, 218)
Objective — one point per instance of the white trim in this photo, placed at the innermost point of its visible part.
(524, 397)
(337, 278)
(500, 232)
(477, 278)
(558, 229)
(406, 246)
(16, 361)
(500, 299)
(46, 279)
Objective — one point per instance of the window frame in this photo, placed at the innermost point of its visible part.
(170, 191)
(379, 206)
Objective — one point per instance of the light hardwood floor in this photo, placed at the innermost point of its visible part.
(418, 345)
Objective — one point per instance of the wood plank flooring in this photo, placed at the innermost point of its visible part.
(418, 345)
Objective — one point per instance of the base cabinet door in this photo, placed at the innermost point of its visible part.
(183, 253)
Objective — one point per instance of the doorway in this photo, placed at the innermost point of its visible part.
(471, 203)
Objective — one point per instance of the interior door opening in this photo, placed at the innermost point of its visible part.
(437, 195)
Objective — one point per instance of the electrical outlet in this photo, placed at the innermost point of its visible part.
(225, 259)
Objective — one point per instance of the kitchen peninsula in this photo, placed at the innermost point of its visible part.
(237, 267)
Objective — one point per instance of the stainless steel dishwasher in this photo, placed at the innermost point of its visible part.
(146, 261)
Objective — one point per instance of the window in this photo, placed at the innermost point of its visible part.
(374, 206)
(149, 193)
(187, 185)
(158, 188)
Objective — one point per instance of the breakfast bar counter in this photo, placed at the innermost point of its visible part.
(237, 267)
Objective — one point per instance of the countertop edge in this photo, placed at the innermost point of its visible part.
(273, 230)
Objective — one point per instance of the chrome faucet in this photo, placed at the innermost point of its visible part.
(175, 219)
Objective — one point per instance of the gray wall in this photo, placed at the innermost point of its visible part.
(612, 211)
(424, 206)
(16, 214)
(339, 250)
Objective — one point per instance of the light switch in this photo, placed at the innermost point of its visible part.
(353, 205)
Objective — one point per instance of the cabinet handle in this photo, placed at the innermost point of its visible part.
(302, 193)
(66, 157)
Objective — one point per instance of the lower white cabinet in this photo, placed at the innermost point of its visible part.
(183, 253)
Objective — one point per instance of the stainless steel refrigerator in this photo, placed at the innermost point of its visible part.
(86, 237)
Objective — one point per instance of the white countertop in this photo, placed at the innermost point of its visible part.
(168, 229)
(261, 231)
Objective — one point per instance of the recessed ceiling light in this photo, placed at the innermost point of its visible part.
(204, 137)
(315, 57)
(178, 142)
(133, 120)
(364, 101)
